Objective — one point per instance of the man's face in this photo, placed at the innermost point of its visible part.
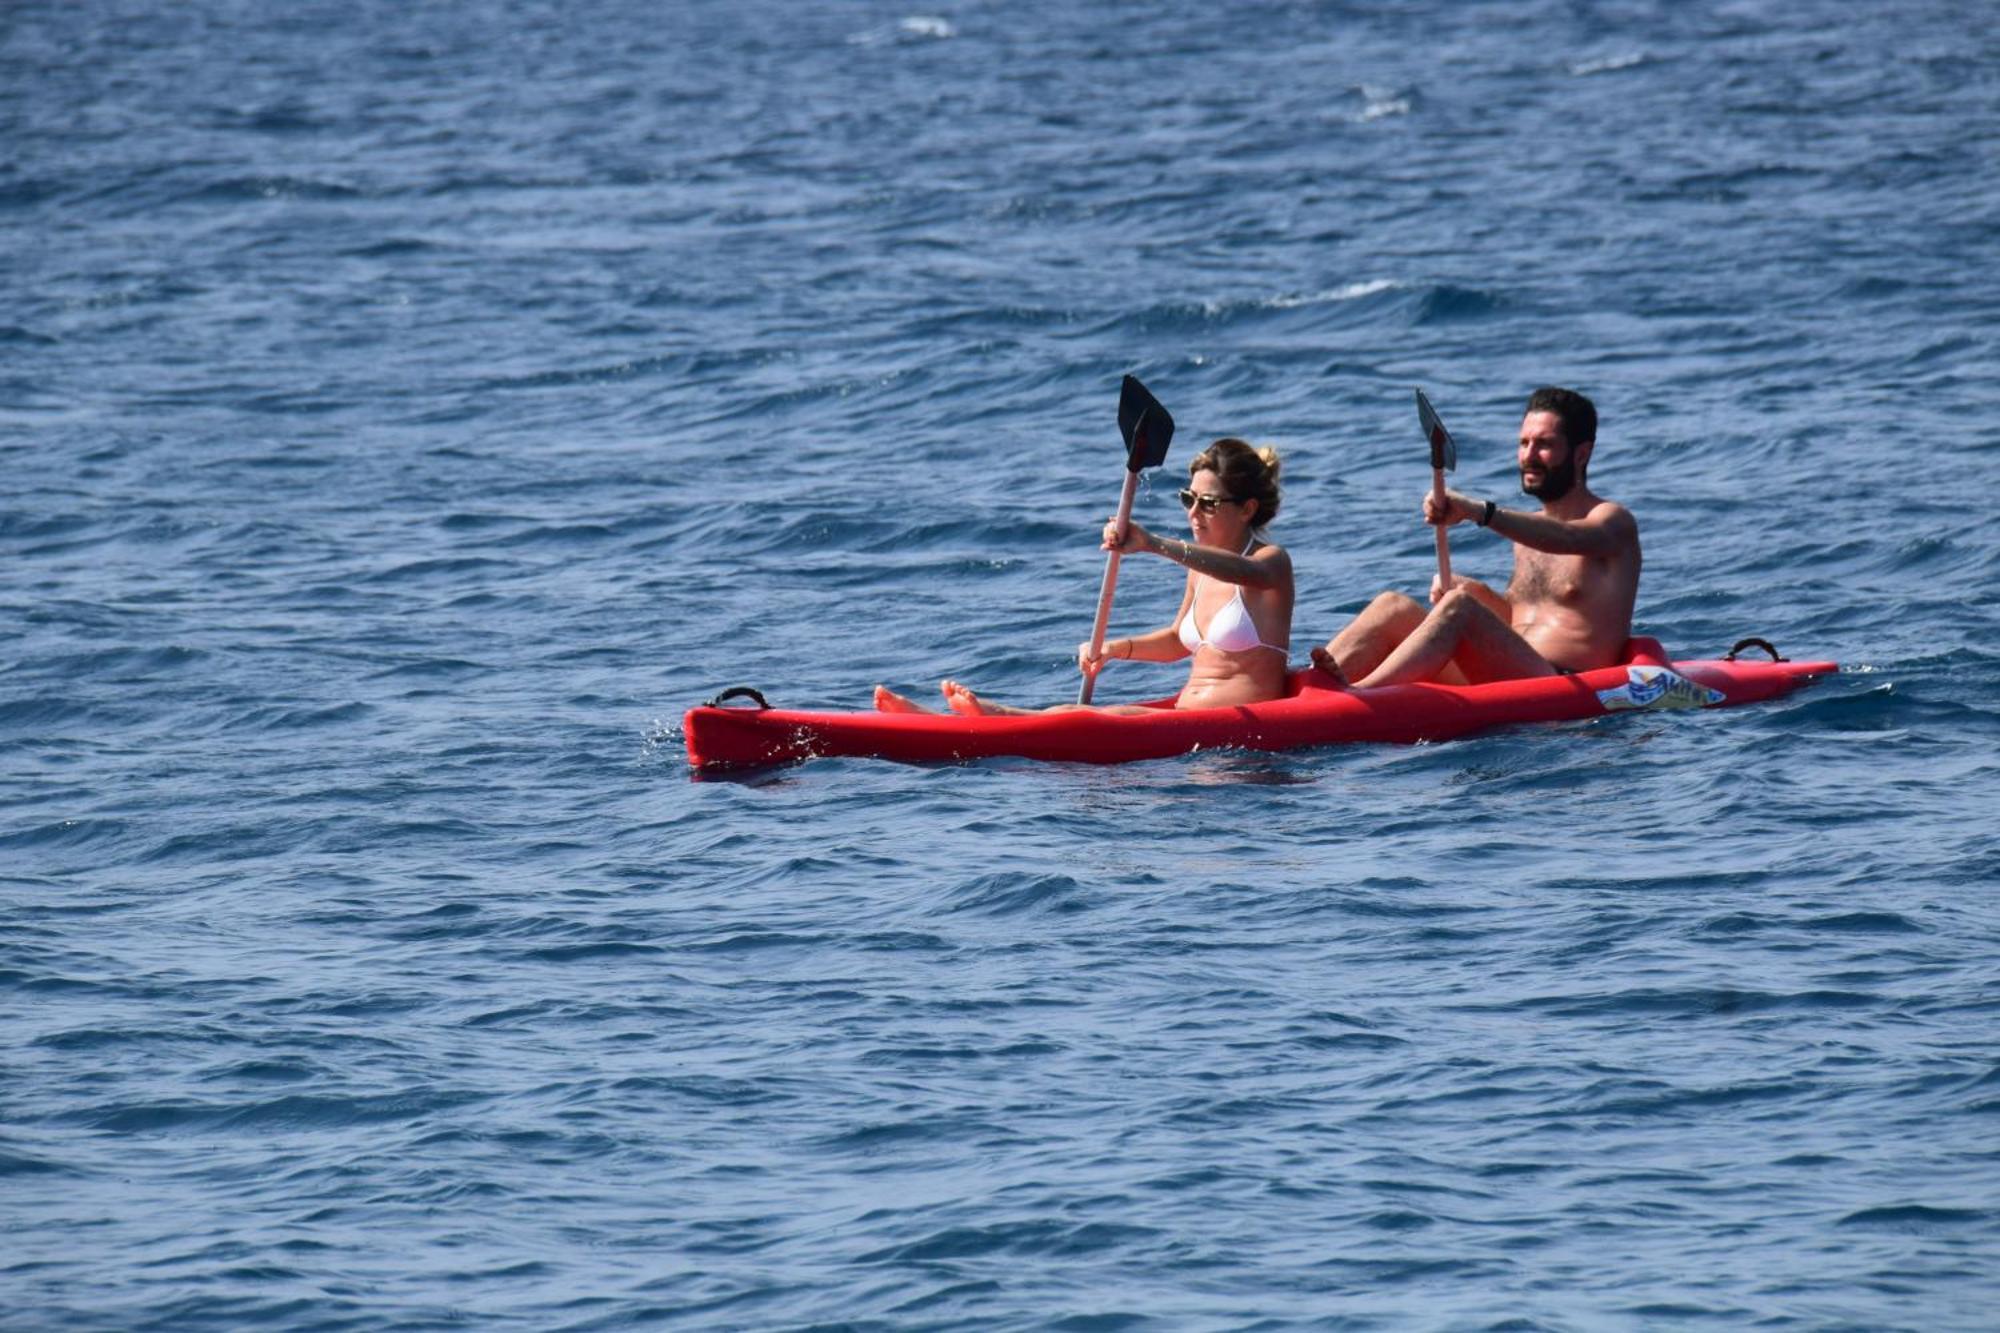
(1548, 464)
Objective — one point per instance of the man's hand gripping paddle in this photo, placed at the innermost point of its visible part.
(1444, 458)
(1147, 429)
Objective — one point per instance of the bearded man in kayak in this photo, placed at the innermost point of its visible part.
(1568, 607)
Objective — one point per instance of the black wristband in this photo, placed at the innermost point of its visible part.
(1486, 519)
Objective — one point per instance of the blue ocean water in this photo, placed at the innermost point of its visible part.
(408, 411)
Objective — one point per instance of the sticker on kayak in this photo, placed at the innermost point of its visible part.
(1657, 687)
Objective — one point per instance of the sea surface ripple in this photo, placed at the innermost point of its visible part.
(408, 411)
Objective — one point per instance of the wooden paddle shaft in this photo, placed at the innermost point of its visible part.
(1444, 541)
(1110, 584)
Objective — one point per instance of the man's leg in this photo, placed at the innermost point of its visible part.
(1371, 636)
(1460, 632)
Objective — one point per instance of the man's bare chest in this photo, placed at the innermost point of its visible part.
(1562, 579)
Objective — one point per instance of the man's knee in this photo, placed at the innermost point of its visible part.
(1392, 606)
(1458, 606)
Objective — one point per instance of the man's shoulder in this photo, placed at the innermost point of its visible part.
(1589, 508)
(1610, 512)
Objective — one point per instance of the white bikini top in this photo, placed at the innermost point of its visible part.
(1229, 629)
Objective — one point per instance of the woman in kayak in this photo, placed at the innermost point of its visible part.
(1235, 618)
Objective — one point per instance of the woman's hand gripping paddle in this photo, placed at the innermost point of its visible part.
(1444, 458)
(1147, 430)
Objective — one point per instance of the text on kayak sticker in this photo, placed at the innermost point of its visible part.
(1657, 687)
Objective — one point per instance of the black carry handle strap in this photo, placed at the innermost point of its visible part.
(737, 692)
(1765, 644)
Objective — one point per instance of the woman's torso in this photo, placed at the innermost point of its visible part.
(1240, 637)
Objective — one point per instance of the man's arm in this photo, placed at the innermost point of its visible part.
(1606, 530)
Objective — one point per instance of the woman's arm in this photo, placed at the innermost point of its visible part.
(1160, 645)
(1270, 567)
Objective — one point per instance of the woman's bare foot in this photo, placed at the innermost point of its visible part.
(961, 700)
(888, 701)
(1324, 661)
(967, 704)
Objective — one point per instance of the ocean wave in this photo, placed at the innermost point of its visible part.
(441, 569)
(1917, 1219)
(1028, 1238)
(304, 717)
(1016, 895)
(1446, 303)
(16, 1164)
(1365, 301)
(1692, 1002)
(267, 189)
(394, 247)
(66, 835)
(283, 117)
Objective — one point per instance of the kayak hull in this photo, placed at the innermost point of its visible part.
(1313, 712)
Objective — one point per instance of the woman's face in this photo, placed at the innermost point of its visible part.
(1216, 518)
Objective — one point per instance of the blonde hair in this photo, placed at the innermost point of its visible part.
(1248, 472)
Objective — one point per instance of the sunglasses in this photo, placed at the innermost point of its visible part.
(1209, 503)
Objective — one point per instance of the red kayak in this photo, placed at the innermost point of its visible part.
(1313, 712)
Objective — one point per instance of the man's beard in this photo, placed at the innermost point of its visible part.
(1556, 482)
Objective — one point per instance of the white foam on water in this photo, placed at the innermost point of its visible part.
(1353, 291)
(1382, 103)
(917, 27)
(1607, 64)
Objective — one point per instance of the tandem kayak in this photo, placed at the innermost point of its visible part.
(1314, 711)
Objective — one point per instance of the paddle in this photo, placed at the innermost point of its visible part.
(1147, 429)
(1444, 458)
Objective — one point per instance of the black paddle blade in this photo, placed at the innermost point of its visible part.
(1444, 454)
(1145, 425)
